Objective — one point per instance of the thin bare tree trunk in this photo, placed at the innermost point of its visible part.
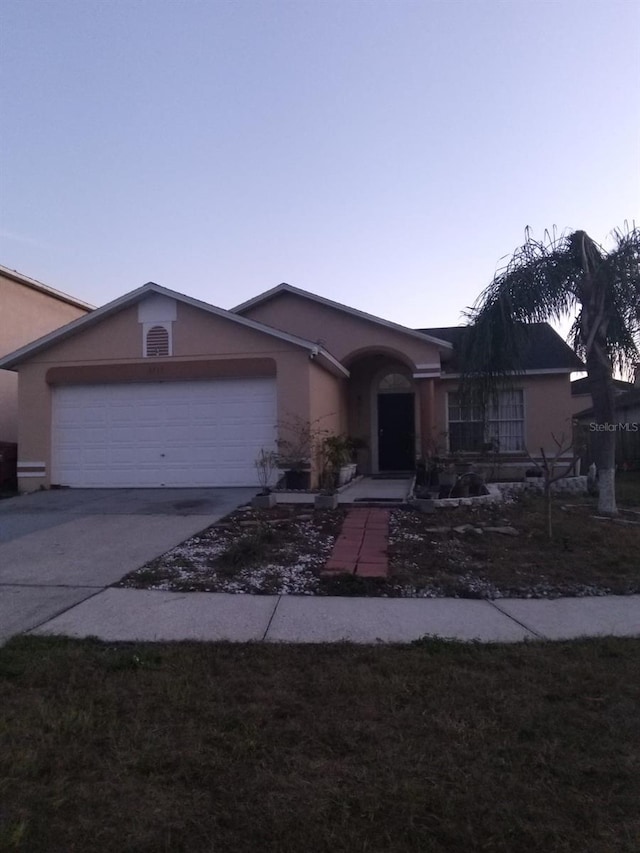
(594, 323)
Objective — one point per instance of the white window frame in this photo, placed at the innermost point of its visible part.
(492, 420)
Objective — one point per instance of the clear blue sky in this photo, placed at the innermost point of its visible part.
(383, 154)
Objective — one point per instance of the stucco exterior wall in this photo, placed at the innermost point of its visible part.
(204, 346)
(25, 315)
(327, 400)
(344, 335)
(547, 409)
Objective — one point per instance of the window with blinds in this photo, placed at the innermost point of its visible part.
(501, 423)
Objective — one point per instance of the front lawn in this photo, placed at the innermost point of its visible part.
(434, 747)
(491, 550)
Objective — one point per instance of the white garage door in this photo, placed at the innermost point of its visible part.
(204, 433)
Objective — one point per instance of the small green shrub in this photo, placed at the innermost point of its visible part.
(248, 549)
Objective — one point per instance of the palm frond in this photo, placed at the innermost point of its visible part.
(546, 280)
(539, 283)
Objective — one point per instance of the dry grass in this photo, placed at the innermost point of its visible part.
(586, 556)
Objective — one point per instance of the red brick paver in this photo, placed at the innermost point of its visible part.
(361, 547)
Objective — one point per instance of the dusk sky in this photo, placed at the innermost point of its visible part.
(382, 154)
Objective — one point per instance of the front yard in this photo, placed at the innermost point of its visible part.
(435, 747)
(488, 551)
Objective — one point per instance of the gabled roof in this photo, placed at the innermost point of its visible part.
(305, 294)
(15, 358)
(19, 278)
(545, 350)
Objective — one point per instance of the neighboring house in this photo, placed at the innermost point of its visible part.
(626, 426)
(28, 309)
(160, 389)
(581, 393)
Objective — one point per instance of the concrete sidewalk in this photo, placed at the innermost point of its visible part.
(143, 615)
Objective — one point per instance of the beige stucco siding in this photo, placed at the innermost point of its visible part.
(34, 431)
(327, 400)
(547, 410)
(343, 334)
(204, 345)
(25, 315)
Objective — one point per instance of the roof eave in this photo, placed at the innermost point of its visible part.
(34, 284)
(12, 360)
(533, 371)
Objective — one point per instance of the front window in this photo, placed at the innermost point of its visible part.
(500, 423)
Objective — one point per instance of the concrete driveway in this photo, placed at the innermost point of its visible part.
(60, 547)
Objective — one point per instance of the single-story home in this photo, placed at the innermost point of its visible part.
(159, 389)
(28, 309)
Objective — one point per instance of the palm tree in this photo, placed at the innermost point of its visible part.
(561, 276)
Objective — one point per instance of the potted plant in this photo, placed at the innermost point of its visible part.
(355, 444)
(296, 449)
(266, 464)
(334, 452)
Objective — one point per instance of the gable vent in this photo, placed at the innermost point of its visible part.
(157, 341)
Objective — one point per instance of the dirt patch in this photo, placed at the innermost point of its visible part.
(502, 550)
(275, 551)
(485, 551)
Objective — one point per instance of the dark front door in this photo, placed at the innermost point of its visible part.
(395, 432)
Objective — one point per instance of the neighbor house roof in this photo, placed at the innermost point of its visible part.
(15, 358)
(626, 400)
(545, 350)
(581, 386)
(288, 288)
(18, 277)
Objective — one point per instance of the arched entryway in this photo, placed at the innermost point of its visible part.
(383, 410)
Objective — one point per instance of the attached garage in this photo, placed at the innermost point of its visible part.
(157, 389)
(150, 434)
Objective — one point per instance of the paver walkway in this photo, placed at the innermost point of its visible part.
(361, 547)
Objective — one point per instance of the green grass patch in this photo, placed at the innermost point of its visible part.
(435, 746)
(248, 549)
(628, 488)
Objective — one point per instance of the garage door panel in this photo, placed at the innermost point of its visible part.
(153, 434)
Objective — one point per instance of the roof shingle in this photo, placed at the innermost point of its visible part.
(545, 349)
